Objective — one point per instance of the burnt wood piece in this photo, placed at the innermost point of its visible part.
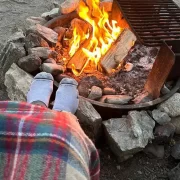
(160, 71)
(118, 51)
(63, 20)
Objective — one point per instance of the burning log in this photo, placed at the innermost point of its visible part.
(118, 51)
(79, 59)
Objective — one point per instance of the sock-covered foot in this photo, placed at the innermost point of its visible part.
(67, 96)
(41, 88)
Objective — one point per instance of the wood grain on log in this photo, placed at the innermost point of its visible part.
(118, 51)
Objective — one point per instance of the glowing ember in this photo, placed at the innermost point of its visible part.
(103, 34)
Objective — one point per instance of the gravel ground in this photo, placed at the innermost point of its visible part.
(12, 15)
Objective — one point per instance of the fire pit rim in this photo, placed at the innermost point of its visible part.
(137, 106)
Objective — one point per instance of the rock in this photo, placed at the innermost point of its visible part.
(68, 6)
(171, 106)
(17, 37)
(160, 117)
(30, 63)
(89, 119)
(36, 20)
(174, 174)
(51, 14)
(46, 33)
(127, 136)
(116, 99)
(128, 67)
(54, 69)
(43, 52)
(18, 83)
(61, 32)
(164, 90)
(50, 60)
(11, 53)
(141, 124)
(106, 5)
(60, 77)
(96, 93)
(155, 150)
(109, 91)
(33, 40)
(176, 151)
(176, 122)
(87, 83)
(163, 134)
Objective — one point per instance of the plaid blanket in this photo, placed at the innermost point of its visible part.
(37, 143)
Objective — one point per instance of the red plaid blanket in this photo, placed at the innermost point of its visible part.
(37, 143)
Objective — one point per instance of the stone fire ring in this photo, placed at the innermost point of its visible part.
(101, 107)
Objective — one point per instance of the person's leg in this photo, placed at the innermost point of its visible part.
(41, 89)
(67, 96)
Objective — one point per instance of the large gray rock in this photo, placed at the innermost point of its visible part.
(46, 33)
(171, 106)
(33, 40)
(30, 63)
(127, 136)
(11, 53)
(174, 174)
(89, 119)
(160, 117)
(18, 83)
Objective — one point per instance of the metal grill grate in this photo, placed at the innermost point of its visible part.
(152, 20)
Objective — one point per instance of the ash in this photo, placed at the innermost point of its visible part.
(132, 82)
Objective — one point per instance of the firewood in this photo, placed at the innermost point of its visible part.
(118, 51)
(79, 59)
(68, 6)
(81, 26)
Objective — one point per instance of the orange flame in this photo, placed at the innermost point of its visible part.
(104, 32)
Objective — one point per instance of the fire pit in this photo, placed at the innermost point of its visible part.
(122, 76)
(95, 45)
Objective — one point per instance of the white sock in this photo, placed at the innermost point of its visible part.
(41, 88)
(67, 96)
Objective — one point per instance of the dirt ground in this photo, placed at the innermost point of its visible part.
(12, 15)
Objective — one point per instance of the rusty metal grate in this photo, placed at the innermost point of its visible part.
(152, 20)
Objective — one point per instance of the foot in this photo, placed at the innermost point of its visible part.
(67, 96)
(41, 89)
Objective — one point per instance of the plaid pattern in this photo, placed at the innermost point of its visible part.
(37, 143)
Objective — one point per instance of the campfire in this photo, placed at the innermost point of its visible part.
(89, 38)
(92, 42)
